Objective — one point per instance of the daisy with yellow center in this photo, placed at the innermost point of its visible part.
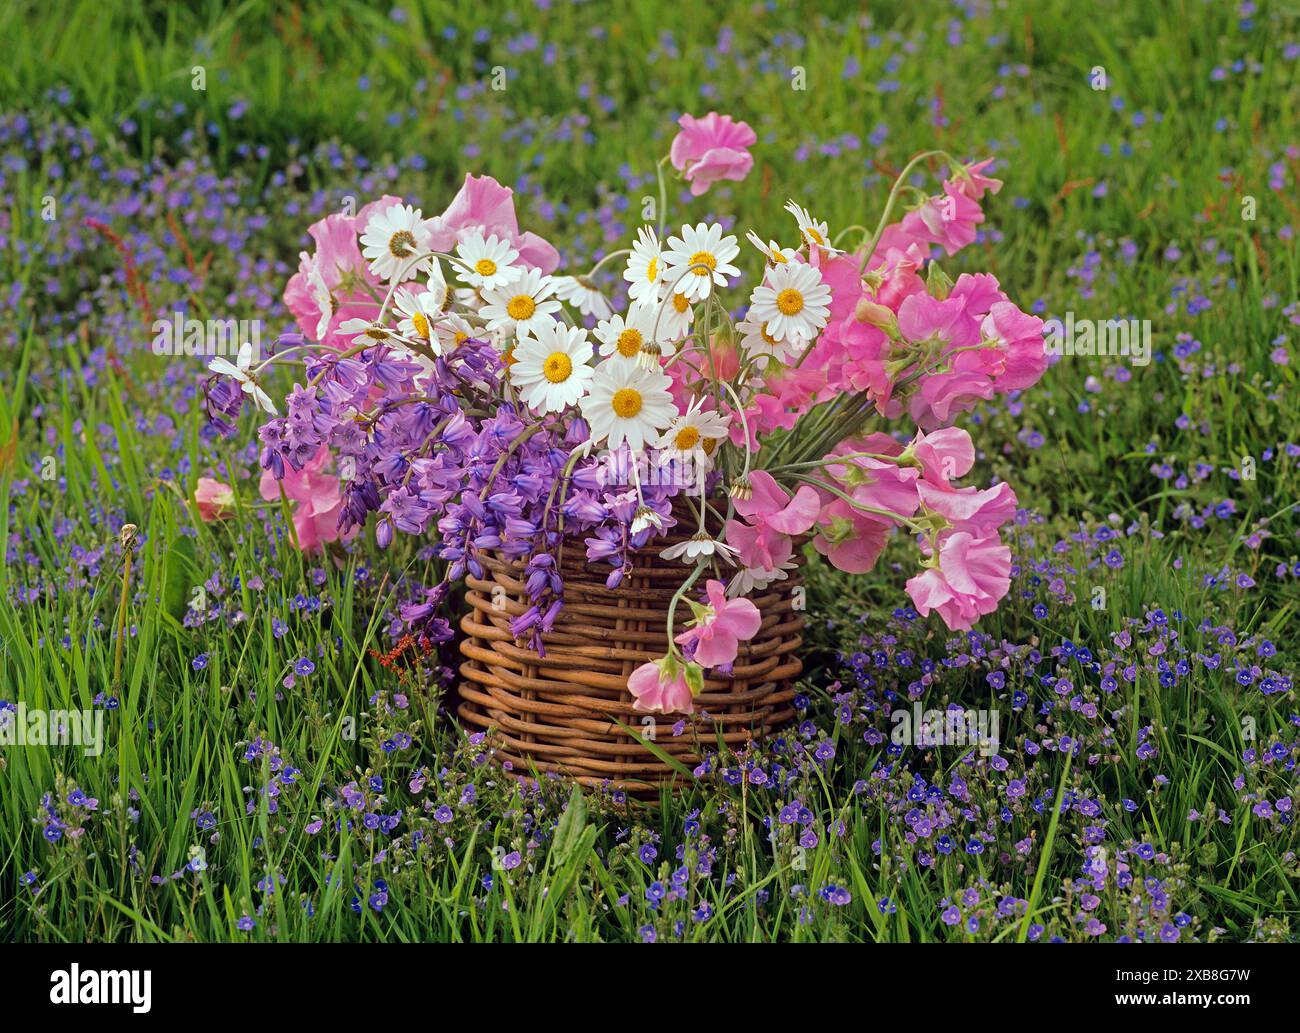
(773, 252)
(674, 316)
(756, 341)
(550, 370)
(695, 433)
(645, 267)
(419, 314)
(627, 403)
(700, 258)
(453, 330)
(816, 234)
(394, 240)
(523, 307)
(630, 338)
(487, 264)
(373, 332)
(793, 303)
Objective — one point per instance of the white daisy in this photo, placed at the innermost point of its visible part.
(550, 370)
(583, 295)
(453, 330)
(523, 307)
(698, 546)
(645, 267)
(755, 340)
(695, 429)
(673, 316)
(700, 258)
(772, 251)
(688, 446)
(792, 303)
(377, 333)
(394, 239)
(627, 403)
(437, 286)
(419, 316)
(811, 230)
(630, 339)
(487, 264)
(241, 370)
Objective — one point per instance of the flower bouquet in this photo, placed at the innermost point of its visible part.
(627, 493)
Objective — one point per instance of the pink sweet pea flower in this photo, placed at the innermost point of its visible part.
(972, 576)
(759, 549)
(660, 686)
(485, 206)
(943, 395)
(968, 509)
(214, 499)
(1018, 357)
(971, 181)
(944, 454)
(764, 414)
(850, 539)
(316, 515)
(948, 220)
(323, 294)
(876, 482)
(897, 258)
(720, 627)
(770, 505)
(773, 518)
(712, 148)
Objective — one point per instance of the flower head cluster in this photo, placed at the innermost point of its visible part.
(455, 387)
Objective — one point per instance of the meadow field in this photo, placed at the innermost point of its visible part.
(278, 764)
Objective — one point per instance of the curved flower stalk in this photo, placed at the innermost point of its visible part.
(451, 385)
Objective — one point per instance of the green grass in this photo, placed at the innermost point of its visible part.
(176, 742)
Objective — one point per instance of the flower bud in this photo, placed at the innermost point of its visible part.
(873, 313)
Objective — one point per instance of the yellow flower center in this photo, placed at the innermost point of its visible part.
(461, 338)
(789, 301)
(777, 257)
(703, 258)
(626, 402)
(421, 324)
(709, 445)
(521, 306)
(485, 267)
(814, 236)
(629, 343)
(681, 303)
(652, 270)
(557, 367)
(687, 438)
(768, 337)
(401, 243)
(376, 334)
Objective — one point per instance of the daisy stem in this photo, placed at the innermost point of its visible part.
(663, 194)
(613, 254)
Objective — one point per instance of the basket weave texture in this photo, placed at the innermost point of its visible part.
(561, 712)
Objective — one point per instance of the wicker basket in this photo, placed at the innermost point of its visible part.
(561, 712)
